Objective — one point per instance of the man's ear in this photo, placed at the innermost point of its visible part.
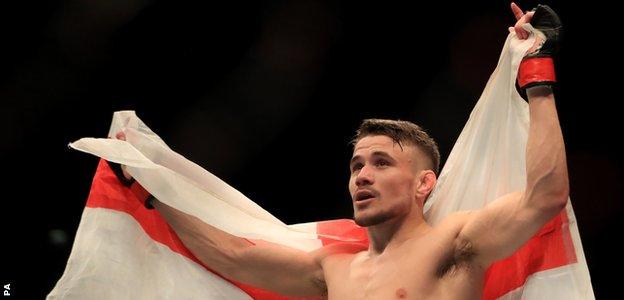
(426, 182)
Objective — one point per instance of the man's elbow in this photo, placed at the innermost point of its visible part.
(560, 199)
(550, 194)
(557, 199)
(227, 266)
(561, 192)
(224, 256)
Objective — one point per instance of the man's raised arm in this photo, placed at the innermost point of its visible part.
(504, 225)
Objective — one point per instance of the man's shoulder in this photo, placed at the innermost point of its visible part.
(338, 257)
(342, 250)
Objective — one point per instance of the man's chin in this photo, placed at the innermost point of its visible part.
(365, 220)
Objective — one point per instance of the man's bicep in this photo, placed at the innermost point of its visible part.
(501, 227)
(281, 269)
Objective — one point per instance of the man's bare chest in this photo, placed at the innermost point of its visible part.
(409, 273)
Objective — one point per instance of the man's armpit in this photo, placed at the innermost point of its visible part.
(462, 253)
(461, 257)
(320, 284)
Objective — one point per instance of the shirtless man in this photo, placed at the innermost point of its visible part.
(393, 171)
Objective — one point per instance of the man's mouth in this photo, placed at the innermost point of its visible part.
(363, 195)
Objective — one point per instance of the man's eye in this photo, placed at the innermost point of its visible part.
(382, 163)
(357, 167)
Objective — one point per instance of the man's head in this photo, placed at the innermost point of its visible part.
(393, 168)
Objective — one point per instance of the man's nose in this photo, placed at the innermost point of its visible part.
(365, 177)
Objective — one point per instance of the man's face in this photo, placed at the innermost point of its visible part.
(383, 180)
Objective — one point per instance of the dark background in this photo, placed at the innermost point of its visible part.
(266, 95)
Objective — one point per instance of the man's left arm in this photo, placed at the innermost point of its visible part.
(503, 226)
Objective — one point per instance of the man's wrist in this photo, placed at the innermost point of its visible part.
(119, 172)
(539, 91)
(149, 202)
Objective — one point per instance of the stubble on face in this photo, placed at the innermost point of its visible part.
(390, 185)
(366, 220)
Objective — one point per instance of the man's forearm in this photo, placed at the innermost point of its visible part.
(213, 247)
(547, 173)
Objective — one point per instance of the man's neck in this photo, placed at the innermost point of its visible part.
(393, 233)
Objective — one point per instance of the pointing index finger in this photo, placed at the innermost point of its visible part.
(516, 11)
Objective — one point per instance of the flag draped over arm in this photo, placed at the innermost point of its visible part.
(124, 251)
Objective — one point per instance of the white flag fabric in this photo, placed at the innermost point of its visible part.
(124, 251)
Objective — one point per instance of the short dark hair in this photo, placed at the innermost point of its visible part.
(401, 132)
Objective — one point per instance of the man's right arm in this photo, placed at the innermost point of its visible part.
(262, 264)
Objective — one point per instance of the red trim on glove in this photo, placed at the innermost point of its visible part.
(536, 70)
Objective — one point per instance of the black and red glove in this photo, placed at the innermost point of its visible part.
(138, 190)
(537, 67)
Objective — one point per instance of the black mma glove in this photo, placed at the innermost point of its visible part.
(537, 67)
